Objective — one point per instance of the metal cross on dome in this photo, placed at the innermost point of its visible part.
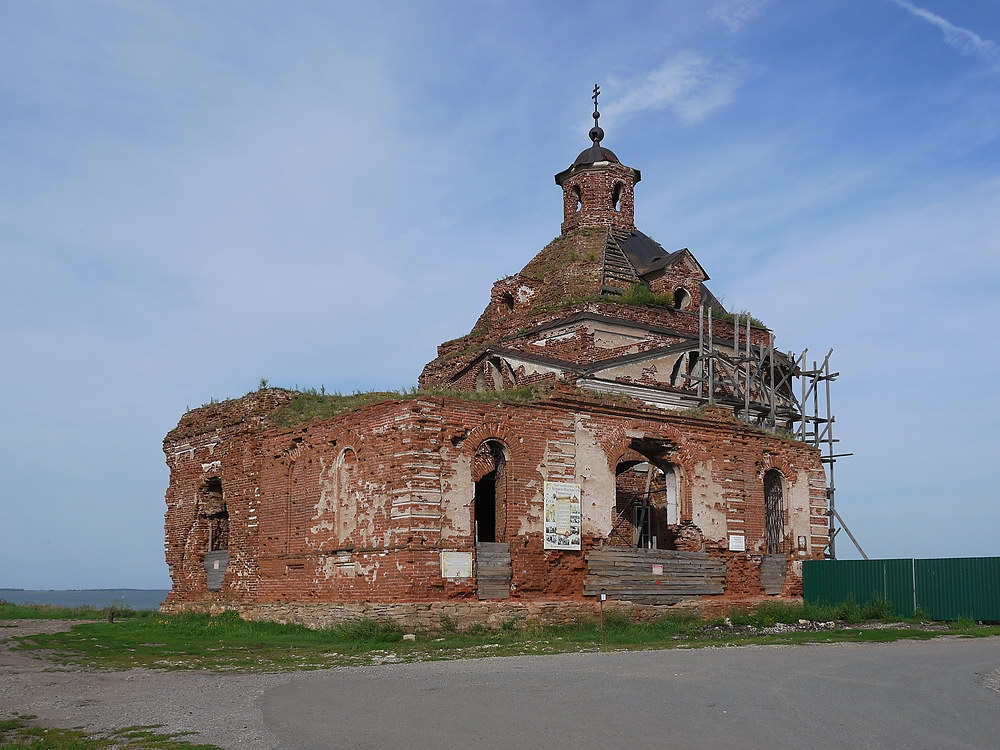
(596, 134)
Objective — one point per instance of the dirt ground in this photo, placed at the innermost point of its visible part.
(224, 709)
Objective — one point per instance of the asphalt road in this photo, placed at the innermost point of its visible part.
(934, 694)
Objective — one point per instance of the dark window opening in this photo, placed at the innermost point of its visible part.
(682, 300)
(507, 302)
(774, 511)
(213, 508)
(213, 486)
(577, 198)
(486, 508)
(219, 532)
(616, 196)
(685, 366)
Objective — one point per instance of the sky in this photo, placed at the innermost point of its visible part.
(197, 195)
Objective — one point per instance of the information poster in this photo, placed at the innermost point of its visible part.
(562, 516)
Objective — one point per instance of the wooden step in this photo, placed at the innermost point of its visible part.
(497, 572)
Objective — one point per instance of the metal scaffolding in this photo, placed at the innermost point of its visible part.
(748, 374)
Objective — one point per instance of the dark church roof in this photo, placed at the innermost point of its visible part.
(644, 253)
(594, 154)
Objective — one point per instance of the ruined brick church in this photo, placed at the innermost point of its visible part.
(606, 428)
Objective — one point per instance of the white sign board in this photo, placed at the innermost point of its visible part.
(562, 516)
(456, 564)
(737, 543)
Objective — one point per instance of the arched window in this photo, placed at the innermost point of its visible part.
(671, 503)
(577, 197)
(494, 375)
(682, 299)
(616, 195)
(774, 511)
(686, 364)
(347, 506)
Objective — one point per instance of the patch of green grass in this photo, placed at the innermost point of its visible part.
(640, 294)
(636, 294)
(221, 642)
(228, 643)
(730, 317)
(21, 733)
(964, 623)
(11, 611)
(697, 412)
(878, 609)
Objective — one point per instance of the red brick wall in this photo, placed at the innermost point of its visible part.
(303, 527)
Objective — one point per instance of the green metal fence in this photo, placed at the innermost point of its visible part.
(946, 588)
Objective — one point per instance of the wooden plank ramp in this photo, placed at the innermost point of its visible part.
(773, 570)
(493, 570)
(628, 574)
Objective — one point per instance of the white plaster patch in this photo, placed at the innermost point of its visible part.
(708, 504)
(797, 502)
(597, 482)
(525, 293)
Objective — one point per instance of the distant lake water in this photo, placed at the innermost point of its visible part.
(98, 598)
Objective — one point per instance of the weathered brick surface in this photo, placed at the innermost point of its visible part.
(359, 507)
(588, 198)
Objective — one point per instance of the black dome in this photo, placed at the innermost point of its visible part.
(594, 154)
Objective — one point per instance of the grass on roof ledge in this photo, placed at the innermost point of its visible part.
(312, 404)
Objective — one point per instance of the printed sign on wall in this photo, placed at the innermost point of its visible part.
(562, 516)
(456, 564)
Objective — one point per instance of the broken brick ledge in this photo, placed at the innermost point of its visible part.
(432, 615)
(256, 410)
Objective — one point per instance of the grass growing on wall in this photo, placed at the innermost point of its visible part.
(312, 404)
(730, 317)
(640, 294)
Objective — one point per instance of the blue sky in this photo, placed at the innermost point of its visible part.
(195, 195)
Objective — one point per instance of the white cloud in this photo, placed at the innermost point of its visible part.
(736, 13)
(691, 86)
(959, 39)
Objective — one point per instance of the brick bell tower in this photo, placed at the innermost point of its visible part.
(598, 190)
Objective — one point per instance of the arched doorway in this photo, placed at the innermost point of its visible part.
(490, 494)
(494, 569)
(647, 502)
